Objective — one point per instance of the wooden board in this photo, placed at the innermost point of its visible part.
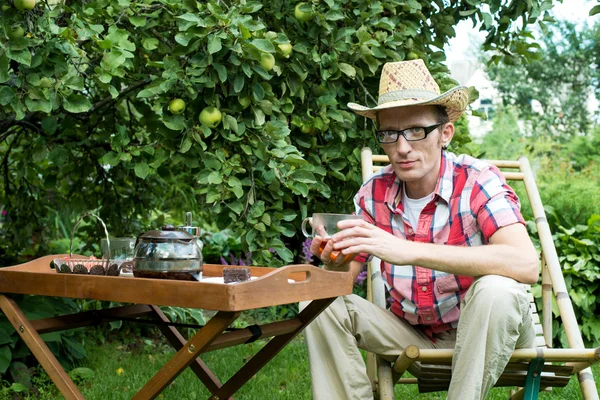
(274, 286)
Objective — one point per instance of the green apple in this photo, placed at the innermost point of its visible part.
(244, 101)
(286, 49)
(309, 129)
(45, 82)
(176, 106)
(412, 55)
(24, 5)
(210, 117)
(301, 15)
(270, 35)
(16, 33)
(267, 61)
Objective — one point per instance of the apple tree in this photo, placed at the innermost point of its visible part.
(233, 109)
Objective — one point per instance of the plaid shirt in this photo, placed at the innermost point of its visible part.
(470, 202)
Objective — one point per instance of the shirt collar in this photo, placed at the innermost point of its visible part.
(443, 188)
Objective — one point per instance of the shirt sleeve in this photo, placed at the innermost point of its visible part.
(361, 209)
(494, 202)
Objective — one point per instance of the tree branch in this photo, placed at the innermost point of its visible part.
(366, 91)
(124, 92)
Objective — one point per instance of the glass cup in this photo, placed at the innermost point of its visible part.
(325, 225)
(121, 250)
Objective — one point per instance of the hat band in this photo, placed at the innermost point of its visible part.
(406, 94)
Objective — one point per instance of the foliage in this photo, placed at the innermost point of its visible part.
(64, 345)
(560, 80)
(85, 122)
(505, 141)
(578, 248)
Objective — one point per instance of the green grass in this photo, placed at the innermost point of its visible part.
(285, 377)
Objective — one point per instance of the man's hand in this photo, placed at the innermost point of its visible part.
(333, 260)
(358, 236)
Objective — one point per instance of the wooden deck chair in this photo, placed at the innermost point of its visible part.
(530, 370)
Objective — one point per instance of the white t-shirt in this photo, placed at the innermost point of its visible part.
(413, 207)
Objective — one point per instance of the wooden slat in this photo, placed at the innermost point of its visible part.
(589, 355)
(88, 318)
(540, 342)
(505, 163)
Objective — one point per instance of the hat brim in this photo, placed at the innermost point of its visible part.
(454, 100)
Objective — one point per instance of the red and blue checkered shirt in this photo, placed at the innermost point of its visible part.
(471, 202)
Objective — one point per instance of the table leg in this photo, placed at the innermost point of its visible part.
(186, 355)
(269, 351)
(39, 349)
(201, 370)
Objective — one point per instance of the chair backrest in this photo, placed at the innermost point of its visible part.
(375, 287)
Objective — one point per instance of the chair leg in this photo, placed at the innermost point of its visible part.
(385, 381)
(534, 375)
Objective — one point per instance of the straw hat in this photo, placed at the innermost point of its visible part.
(409, 83)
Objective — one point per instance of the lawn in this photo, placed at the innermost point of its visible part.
(121, 369)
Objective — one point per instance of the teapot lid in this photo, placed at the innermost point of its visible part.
(165, 233)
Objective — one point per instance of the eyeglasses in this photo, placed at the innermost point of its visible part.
(410, 134)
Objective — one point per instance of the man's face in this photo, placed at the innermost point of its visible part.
(417, 162)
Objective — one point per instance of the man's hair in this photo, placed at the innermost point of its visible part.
(441, 114)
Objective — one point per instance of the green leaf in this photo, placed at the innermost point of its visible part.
(214, 44)
(347, 69)
(4, 77)
(215, 178)
(467, 12)
(138, 21)
(150, 43)
(142, 169)
(49, 125)
(20, 56)
(7, 94)
(595, 10)
(113, 59)
(111, 158)
(41, 105)
(221, 71)
(263, 45)
(238, 83)
(236, 207)
(75, 83)
(76, 103)
(174, 122)
(304, 176)
(232, 122)
(5, 358)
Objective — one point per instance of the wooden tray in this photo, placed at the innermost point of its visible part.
(274, 286)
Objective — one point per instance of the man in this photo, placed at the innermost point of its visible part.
(453, 247)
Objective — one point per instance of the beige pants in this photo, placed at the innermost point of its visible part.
(494, 320)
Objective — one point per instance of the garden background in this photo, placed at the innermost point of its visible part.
(87, 123)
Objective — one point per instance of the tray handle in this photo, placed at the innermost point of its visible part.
(85, 214)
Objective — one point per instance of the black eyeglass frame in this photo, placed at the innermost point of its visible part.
(427, 129)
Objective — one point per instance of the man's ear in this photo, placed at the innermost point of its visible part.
(447, 134)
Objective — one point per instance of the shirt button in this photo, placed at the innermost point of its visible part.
(428, 318)
(410, 231)
(424, 288)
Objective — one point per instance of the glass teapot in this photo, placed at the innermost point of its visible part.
(168, 253)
